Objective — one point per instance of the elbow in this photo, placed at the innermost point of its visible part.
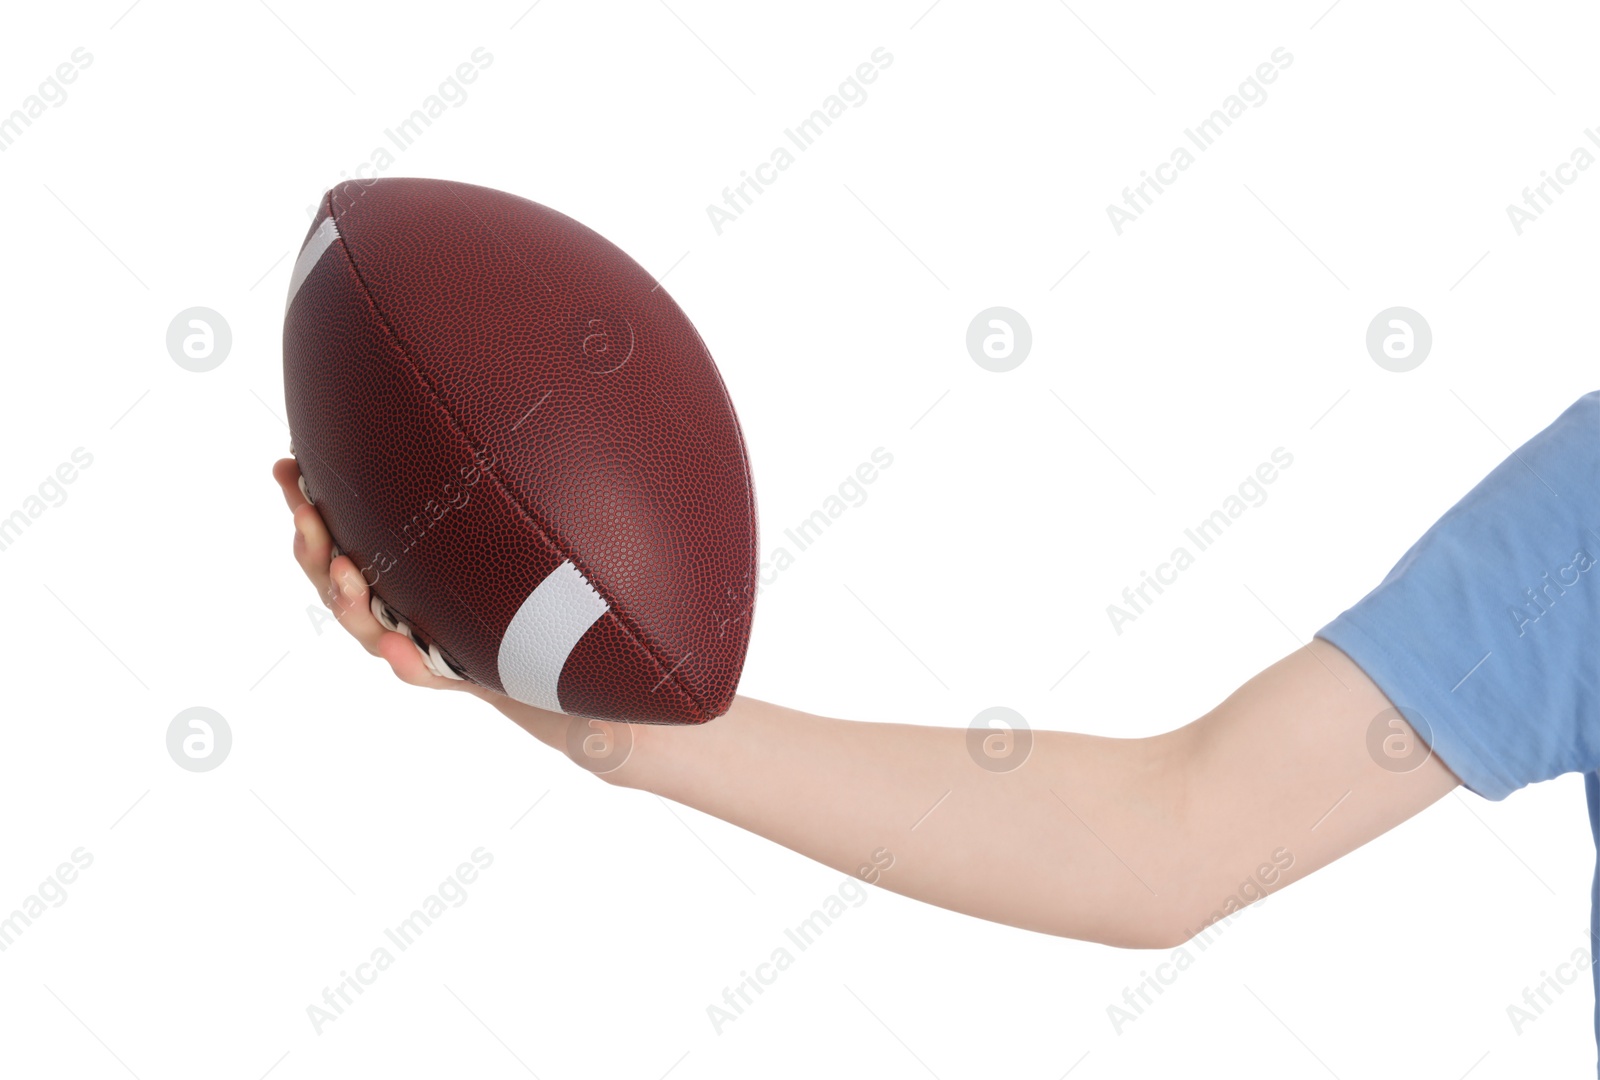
(1186, 921)
(1170, 935)
(1152, 925)
(1165, 920)
(1158, 931)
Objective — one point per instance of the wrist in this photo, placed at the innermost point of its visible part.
(641, 756)
(673, 760)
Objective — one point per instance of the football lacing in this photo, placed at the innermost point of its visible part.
(430, 653)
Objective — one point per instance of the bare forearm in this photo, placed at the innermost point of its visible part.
(1132, 842)
(1041, 846)
(1123, 841)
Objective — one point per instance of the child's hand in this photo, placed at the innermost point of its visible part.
(344, 591)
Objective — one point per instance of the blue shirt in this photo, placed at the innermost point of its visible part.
(1486, 634)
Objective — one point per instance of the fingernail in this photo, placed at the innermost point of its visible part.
(347, 585)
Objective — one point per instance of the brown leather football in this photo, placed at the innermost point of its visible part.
(522, 441)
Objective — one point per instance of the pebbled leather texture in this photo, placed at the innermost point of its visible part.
(481, 390)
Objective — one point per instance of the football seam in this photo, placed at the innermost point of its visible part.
(752, 534)
(545, 534)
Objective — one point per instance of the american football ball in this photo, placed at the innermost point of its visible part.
(524, 444)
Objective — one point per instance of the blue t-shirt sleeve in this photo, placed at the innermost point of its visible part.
(1486, 634)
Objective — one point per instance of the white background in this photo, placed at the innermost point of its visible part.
(1227, 321)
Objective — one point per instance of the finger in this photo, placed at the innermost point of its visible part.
(313, 548)
(352, 603)
(286, 471)
(406, 660)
